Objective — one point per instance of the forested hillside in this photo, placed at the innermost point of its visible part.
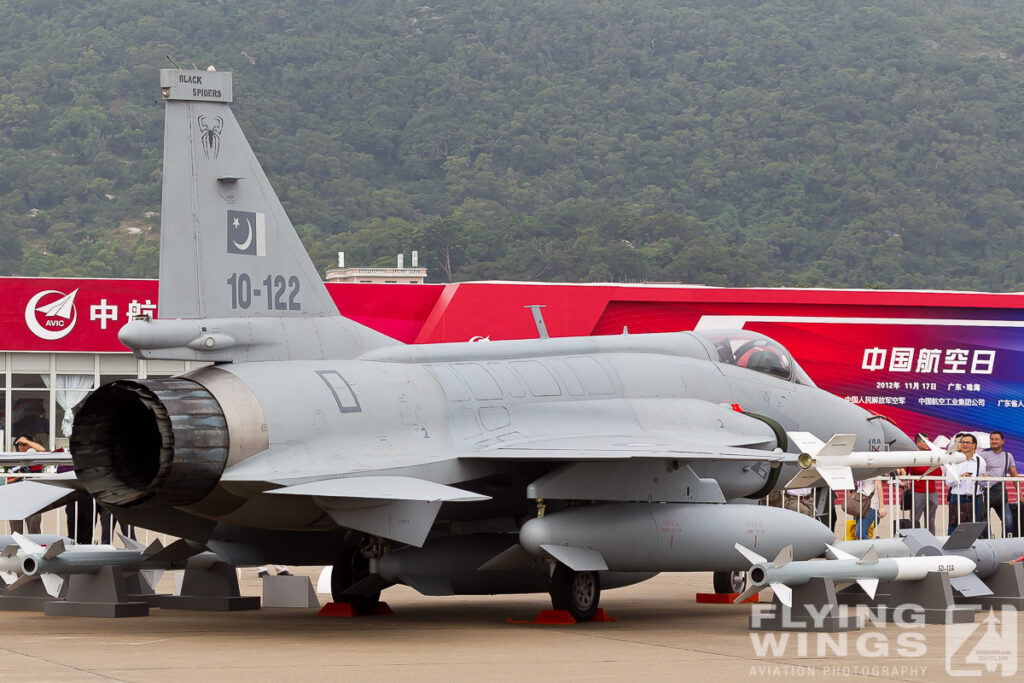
(851, 143)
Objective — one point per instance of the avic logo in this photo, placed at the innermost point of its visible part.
(51, 314)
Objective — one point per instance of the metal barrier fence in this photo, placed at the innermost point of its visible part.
(996, 500)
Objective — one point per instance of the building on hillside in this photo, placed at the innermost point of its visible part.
(399, 275)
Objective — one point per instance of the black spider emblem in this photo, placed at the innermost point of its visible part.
(211, 135)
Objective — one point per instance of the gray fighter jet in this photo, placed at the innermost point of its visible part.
(311, 439)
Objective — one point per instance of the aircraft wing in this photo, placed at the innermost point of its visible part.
(403, 508)
(399, 508)
(26, 498)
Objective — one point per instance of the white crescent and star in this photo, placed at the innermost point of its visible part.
(248, 237)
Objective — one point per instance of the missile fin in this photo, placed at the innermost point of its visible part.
(30, 547)
(784, 593)
(840, 554)
(53, 584)
(9, 550)
(916, 539)
(152, 549)
(130, 542)
(806, 442)
(838, 477)
(964, 536)
(751, 556)
(784, 557)
(152, 576)
(869, 586)
(751, 590)
(22, 580)
(839, 444)
(8, 577)
(869, 557)
(970, 586)
(54, 549)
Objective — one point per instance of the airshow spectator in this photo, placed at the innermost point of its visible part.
(925, 493)
(998, 463)
(25, 444)
(962, 492)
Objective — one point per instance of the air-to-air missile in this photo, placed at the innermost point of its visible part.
(834, 462)
(641, 537)
(987, 554)
(866, 571)
(28, 560)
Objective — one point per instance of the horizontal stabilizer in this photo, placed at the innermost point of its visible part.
(384, 488)
(577, 559)
(510, 558)
(26, 498)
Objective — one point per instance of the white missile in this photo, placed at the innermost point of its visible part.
(782, 574)
(834, 461)
(53, 562)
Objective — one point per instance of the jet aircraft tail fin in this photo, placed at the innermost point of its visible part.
(229, 255)
(227, 248)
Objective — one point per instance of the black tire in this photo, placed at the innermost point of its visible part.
(349, 568)
(576, 592)
(730, 582)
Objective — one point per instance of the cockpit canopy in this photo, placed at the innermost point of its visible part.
(754, 351)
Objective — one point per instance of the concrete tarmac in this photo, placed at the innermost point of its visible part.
(662, 634)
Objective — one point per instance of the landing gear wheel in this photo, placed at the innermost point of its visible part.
(350, 568)
(576, 592)
(730, 582)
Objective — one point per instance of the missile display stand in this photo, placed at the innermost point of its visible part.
(1007, 586)
(814, 610)
(932, 596)
(31, 597)
(213, 589)
(97, 595)
(289, 591)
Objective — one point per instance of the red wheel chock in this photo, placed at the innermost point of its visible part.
(345, 609)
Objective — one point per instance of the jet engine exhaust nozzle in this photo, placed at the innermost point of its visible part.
(151, 442)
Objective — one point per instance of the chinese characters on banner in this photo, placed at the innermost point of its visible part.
(956, 361)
